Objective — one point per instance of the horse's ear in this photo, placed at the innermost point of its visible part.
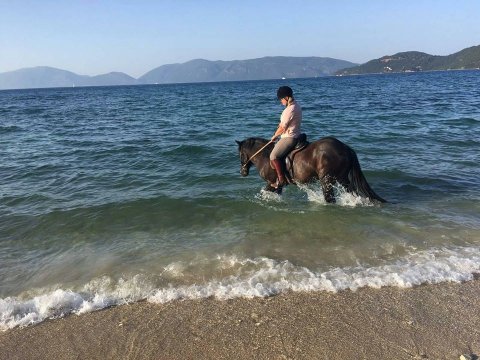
(238, 142)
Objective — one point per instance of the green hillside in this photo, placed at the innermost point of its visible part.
(413, 61)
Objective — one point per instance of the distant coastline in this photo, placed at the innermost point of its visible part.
(405, 72)
(234, 81)
(415, 61)
(266, 68)
(194, 71)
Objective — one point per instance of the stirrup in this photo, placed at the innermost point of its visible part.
(277, 189)
(279, 185)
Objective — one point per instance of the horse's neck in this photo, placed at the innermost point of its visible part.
(258, 145)
(257, 148)
(261, 161)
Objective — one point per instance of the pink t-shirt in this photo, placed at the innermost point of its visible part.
(291, 120)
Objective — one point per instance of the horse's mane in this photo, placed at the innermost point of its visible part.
(251, 142)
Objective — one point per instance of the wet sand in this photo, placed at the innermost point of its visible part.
(425, 322)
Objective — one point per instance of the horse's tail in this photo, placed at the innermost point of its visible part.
(358, 184)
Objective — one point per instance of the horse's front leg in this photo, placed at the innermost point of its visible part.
(271, 188)
(269, 175)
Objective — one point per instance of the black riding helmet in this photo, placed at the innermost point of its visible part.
(284, 91)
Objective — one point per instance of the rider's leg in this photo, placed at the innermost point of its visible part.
(281, 149)
(277, 165)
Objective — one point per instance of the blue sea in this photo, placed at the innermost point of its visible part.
(112, 195)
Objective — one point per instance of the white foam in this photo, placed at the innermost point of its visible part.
(14, 312)
(314, 192)
(265, 195)
(273, 277)
(242, 277)
(175, 269)
(342, 196)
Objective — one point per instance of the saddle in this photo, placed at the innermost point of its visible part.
(301, 144)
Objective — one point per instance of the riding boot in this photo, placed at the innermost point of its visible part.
(277, 165)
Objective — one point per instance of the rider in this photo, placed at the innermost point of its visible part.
(288, 130)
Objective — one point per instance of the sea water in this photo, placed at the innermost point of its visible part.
(110, 195)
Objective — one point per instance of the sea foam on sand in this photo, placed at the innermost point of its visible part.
(259, 277)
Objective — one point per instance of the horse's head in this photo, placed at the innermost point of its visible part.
(244, 158)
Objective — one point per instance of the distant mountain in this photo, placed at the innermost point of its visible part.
(277, 67)
(411, 61)
(112, 78)
(273, 67)
(191, 71)
(44, 77)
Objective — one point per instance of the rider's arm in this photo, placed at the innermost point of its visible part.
(280, 131)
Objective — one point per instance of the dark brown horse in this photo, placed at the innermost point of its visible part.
(328, 160)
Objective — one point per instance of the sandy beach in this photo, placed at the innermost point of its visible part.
(425, 322)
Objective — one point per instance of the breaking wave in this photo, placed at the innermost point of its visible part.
(249, 278)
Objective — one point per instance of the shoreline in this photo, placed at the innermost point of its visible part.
(424, 322)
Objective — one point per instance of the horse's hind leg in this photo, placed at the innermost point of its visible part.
(327, 188)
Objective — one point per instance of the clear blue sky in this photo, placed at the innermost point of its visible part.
(92, 37)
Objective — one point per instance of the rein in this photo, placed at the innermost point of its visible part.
(258, 152)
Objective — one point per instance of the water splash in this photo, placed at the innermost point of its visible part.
(342, 196)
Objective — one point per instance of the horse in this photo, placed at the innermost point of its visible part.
(328, 160)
